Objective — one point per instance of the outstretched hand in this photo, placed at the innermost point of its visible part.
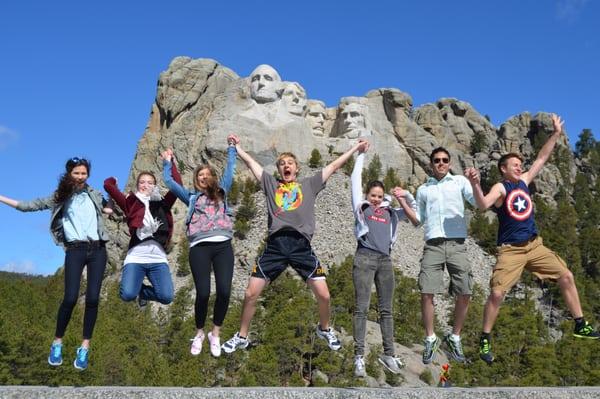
(558, 123)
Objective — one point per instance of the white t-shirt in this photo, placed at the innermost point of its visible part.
(146, 252)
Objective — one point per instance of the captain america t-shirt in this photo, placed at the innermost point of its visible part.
(515, 216)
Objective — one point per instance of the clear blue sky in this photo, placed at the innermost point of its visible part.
(78, 78)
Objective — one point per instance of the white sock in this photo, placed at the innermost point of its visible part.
(431, 338)
(455, 338)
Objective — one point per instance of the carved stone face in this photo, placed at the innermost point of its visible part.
(294, 98)
(316, 117)
(353, 118)
(265, 84)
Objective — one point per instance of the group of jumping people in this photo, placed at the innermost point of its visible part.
(77, 225)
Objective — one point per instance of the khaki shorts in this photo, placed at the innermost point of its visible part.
(452, 254)
(531, 255)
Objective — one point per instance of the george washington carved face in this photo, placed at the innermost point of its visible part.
(265, 84)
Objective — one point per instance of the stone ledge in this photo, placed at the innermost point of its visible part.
(10, 392)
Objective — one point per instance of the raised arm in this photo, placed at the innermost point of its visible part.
(408, 204)
(227, 179)
(254, 166)
(172, 179)
(341, 160)
(356, 177)
(9, 201)
(110, 185)
(545, 151)
(483, 202)
(171, 197)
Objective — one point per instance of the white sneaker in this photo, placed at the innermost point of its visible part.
(359, 366)
(215, 345)
(234, 343)
(196, 347)
(329, 335)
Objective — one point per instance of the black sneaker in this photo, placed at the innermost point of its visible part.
(430, 348)
(455, 349)
(485, 350)
(586, 331)
(142, 302)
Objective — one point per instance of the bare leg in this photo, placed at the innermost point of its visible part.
(321, 291)
(255, 287)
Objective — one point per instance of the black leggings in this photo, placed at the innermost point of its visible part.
(76, 259)
(219, 255)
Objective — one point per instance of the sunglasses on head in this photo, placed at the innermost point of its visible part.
(438, 160)
(77, 161)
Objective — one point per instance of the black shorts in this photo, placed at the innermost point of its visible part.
(288, 248)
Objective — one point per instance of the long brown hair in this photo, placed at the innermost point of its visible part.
(66, 184)
(212, 191)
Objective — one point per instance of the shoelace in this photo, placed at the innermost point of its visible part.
(330, 335)
(56, 350)
(82, 355)
(485, 346)
(458, 347)
(586, 329)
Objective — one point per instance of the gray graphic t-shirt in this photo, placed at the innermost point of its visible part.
(291, 206)
(379, 236)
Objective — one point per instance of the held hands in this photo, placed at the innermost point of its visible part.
(232, 139)
(473, 175)
(362, 146)
(167, 155)
(398, 193)
(558, 124)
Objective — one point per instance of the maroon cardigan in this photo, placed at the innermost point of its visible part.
(134, 209)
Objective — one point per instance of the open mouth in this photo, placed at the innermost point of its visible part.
(287, 174)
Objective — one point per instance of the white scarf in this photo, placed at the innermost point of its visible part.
(150, 224)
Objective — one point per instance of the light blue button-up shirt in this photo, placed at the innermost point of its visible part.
(441, 208)
(80, 222)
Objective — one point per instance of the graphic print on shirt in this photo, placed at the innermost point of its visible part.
(209, 215)
(288, 197)
(518, 204)
(378, 216)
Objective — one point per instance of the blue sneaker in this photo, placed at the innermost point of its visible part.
(55, 358)
(81, 359)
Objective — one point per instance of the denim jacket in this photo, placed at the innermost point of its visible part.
(56, 225)
(190, 197)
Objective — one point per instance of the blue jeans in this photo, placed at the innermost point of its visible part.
(159, 275)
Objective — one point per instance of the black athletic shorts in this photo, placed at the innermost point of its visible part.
(285, 248)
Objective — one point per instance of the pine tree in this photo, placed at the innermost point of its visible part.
(315, 160)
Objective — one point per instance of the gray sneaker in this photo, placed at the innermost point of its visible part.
(359, 367)
(455, 349)
(392, 363)
(430, 348)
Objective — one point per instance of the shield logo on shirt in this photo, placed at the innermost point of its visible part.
(518, 205)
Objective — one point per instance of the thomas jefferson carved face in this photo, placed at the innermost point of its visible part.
(265, 84)
(294, 98)
(316, 117)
